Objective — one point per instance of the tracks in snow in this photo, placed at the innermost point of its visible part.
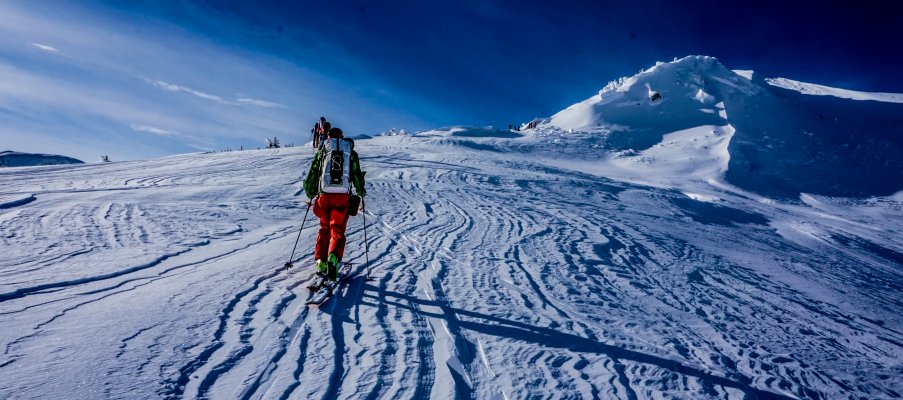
(493, 279)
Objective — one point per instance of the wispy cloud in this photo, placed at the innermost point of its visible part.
(244, 101)
(45, 47)
(260, 103)
(176, 88)
(194, 142)
(170, 90)
(152, 129)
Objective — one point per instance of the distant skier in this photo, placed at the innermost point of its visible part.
(335, 168)
(319, 131)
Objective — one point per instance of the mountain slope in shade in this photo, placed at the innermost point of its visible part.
(17, 159)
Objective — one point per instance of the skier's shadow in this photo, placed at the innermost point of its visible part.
(547, 337)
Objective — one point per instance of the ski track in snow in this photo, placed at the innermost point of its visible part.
(493, 277)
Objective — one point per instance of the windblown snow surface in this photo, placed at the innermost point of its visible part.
(546, 264)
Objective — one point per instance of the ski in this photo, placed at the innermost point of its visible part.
(317, 282)
(328, 287)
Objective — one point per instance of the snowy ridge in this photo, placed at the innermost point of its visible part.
(627, 101)
(746, 73)
(782, 143)
(498, 275)
(820, 90)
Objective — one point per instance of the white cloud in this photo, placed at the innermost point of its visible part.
(106, 86)
(176, 88)
(191, 141)
(260, 103)
(152, 129)
(45, 47)
(214, 98)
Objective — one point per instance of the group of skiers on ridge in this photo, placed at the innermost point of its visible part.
(335, 169)
(319, 131)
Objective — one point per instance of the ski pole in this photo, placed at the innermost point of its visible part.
(366, 243)
(292, 257)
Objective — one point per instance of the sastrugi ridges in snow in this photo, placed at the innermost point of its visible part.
(556, 262)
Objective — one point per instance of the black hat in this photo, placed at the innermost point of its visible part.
(336, 133)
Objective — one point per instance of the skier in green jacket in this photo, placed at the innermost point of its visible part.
(334, 170)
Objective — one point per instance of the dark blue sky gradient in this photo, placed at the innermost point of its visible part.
(494, 63)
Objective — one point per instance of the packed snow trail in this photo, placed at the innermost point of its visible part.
(497, 275)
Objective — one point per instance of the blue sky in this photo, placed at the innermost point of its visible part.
(141, 79)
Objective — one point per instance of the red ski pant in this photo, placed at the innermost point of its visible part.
(332, 209)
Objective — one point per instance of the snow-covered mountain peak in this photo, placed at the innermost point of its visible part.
(782, 137)
(692, 68)
(692, 85)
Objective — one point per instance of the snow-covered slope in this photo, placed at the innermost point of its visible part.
(17, 159)
(787, 137)
(501, 271)
(820, 90)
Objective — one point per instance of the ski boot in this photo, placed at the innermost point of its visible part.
(332, 267)
(319, 277)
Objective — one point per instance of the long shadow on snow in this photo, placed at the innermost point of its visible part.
(551, 338)
(340, 310)
(425, 374)
(708, 213)
(17, 202)
(869, 247)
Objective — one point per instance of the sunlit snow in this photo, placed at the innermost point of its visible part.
(606, 252)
